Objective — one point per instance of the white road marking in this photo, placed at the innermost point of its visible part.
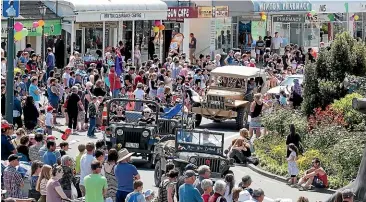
(268, 199)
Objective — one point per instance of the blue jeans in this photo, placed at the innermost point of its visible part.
(91, 129)
(115, 93)
(121, 196)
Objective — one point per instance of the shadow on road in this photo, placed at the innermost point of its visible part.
(223, 126)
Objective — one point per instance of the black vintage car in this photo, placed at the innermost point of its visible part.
(199, 147)
(132, 133)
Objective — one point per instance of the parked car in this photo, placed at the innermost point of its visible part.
(286, 84)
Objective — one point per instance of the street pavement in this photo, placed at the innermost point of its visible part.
(273, 189)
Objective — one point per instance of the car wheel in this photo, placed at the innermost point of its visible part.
(157, 173)
(242, 117)
(198, 120)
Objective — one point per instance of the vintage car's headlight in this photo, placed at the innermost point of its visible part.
(173, 124)
(192, 160)
(230, 101)
(145, 133)
(119, 132)
(222, 163)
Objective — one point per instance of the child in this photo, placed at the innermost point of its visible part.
(283, 98)
(49, 120)
(64, 147)
(160, 92)
(139, 95)
(81, 149)
(206, 185)
(149, 195)
(292, 166)
(136, 195)
(92, 112)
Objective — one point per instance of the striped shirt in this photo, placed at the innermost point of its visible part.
(12, 182)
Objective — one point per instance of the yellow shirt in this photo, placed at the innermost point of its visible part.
(77, 162)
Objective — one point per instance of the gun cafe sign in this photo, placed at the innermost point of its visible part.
(179, 13)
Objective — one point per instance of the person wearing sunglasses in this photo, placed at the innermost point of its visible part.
(147, 117)
(315, 176)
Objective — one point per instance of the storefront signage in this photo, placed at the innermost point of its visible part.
(213, 12)
(51, 27)
(281, 6)
(122, 16)
(179, 13)
(289, 18)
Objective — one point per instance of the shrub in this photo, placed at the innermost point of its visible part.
(325, 118)
(323, 138)
(344, 106)
(311, 90)
(279, 121)
(304, 161)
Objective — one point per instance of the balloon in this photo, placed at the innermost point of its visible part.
(41, 23)
(309, 15)
(39, 29)
(157, 23)
(24, 32)
(264, 17)
(18, 36)
(161, 27)
(261, 13)
(356, 17)
(18, 26)
(312, 12)
(156, 29)
(35, 24)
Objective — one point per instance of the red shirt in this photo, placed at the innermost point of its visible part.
(138, 79)
(215, 196)
(205, 197)
(324, 179)
(114, 81)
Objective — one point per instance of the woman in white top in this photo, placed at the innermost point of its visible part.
(137, 57)
(42, 182)
(168, 79)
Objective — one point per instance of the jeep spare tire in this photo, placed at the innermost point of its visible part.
(242, 117)
(157, 173)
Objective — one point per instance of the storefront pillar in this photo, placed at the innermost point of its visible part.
(72, 37)
(103, 43)
(38, 44)
(120, 31)
(186, 33)
(161, 39)
(115, 37)
(133, 42)
(83, 41)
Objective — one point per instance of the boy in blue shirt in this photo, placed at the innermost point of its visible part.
(49, 157)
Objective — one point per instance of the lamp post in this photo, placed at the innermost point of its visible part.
(10, 69)
(42, 10)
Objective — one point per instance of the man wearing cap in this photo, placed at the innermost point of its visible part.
(258, 196)
(187, 192)
(125, 174)
(13, 180)
(181, 178)
(348, 195)
(95, 184)
(7, 148)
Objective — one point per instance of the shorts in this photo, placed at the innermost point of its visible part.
(318, 183)
(255, 123)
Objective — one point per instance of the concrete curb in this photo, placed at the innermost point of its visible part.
(283, 179)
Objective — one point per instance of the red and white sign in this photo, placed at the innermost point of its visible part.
(179, 13)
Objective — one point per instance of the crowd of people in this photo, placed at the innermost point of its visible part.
(43, 93)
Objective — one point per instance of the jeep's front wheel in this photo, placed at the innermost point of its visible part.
(241, 118)
(198, 120)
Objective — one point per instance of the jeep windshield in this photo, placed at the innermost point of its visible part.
(200, 141)
(228, 82)
(131, 112)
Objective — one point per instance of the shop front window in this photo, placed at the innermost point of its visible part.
(311, 35)
(224, 34)
(94, 38)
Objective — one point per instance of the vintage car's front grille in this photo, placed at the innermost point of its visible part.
(132, 136)
(215, 102)
(213, 163)
(166, 126)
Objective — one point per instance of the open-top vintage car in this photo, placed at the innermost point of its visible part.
(229, 95)
(131, 133)
(199, 147)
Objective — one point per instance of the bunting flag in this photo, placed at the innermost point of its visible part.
(346, 7)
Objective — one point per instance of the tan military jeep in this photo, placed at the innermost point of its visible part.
(227, 96)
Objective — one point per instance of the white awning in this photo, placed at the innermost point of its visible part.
(92, 10)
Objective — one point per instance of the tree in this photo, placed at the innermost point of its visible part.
(311, 89)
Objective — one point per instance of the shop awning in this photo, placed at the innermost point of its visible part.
(236, 8)
(91, 10)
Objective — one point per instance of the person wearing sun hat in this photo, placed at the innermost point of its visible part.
(125, 174)
(13, 180)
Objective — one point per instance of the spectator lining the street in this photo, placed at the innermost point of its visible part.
(95, 184)
(315, 176)
(230, 182)
(236, 193)
(49, 156)
(13, 181)
(204, 172)
(219, 189)
(109, 166)
(34, 149)
(136, 195)
(292, 166)
(55, 193)
(207, 186)
(187, 192)
(35, 172)
(167, 188)
(81, 149)
(85, 163)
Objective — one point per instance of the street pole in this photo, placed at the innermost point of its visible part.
(10, 72)
(43, 44)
